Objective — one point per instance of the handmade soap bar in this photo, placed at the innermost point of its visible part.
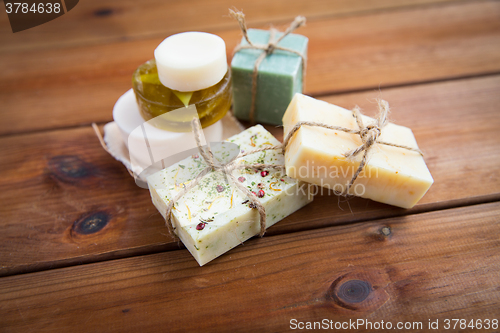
(393, 175)
(191, 61)
(215, 216)
(149, 147)
(279, 77)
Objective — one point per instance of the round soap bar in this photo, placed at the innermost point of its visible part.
(191, 61)
(160, 144)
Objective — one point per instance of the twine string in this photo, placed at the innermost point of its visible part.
(368, 134)
(105, 146)
(227, 169)
(268, 48)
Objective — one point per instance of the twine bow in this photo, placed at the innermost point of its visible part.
(268, 48)
(227, 169)
(369, 136)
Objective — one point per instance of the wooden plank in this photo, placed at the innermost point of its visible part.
(107, 21)
(54, 183)
(432, 266)
(79, 85)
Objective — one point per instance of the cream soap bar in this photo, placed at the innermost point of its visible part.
(215, 216)
(393, 175)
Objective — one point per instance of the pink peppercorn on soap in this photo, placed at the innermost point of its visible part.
(392, 175)
(214, 216)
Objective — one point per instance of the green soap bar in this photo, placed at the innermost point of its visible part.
(279, 78)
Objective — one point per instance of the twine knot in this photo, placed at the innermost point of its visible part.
(271, 46)
(370, 134)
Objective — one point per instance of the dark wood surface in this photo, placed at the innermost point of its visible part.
(82, 248)
(348, 53)
(429, 266)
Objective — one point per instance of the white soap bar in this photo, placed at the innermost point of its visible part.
(229, 219)
(151, 146)
(392, 175)
(191, 61)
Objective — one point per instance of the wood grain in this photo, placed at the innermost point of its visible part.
(108, 21)
(78, 85)
(414, 268)
(94, 251)
(53, 183)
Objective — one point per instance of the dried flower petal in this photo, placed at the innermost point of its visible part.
(252, 140)
(272, 188)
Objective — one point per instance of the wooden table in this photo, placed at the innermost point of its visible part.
(83, 249)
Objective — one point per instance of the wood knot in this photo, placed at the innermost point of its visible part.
(359, 291)
(91, 223)
(69, 168)
(354, 291)
(103, 12)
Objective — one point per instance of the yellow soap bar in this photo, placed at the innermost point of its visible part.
(393, 175)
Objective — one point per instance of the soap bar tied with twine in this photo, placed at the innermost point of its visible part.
(268, 49)
(369, 135)
(227, 169)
